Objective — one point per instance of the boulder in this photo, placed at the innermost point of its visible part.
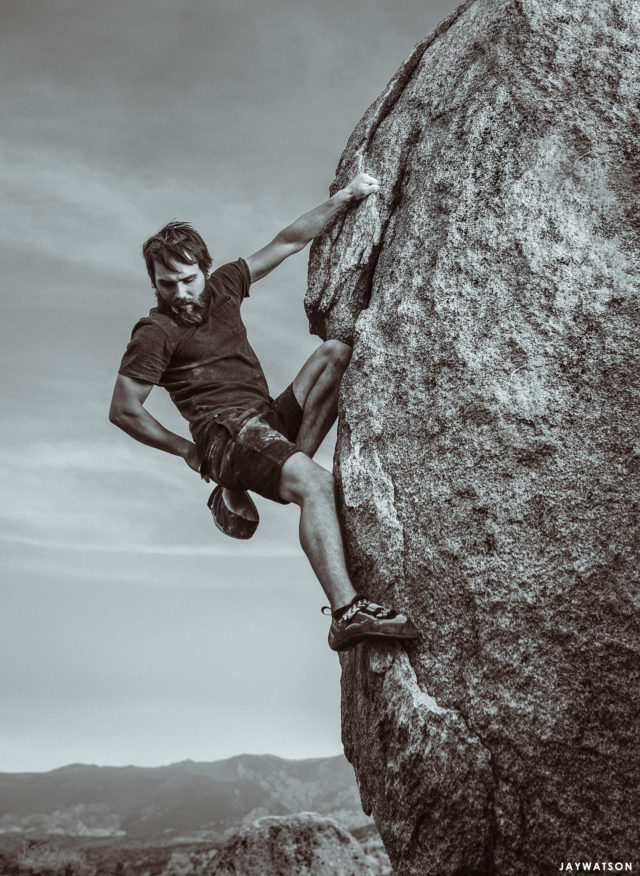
(488, 454)
(306, 844)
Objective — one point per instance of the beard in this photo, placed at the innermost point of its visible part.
(192, 314)
(189, 314)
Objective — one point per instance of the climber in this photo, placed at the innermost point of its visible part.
(195, 345)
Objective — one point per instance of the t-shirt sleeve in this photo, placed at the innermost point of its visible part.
(147, 355)
(234, 278)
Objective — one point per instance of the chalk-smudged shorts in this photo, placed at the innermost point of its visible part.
(245, 450)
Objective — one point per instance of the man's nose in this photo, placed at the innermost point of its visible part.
(181, 291)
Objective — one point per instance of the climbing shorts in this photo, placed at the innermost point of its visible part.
(245, 449)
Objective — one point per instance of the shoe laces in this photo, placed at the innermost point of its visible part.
(363, 604)
(381, 611)
(349, 613)
(354, 609)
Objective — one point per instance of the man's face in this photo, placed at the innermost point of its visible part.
(181, 287)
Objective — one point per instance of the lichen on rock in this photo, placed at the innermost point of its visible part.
(488, 454)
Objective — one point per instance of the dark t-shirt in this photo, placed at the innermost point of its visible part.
(209, 368)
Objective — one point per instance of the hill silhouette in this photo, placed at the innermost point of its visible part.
(187, 797)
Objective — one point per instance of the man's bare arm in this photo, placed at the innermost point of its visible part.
(296, 236)
(127, 411)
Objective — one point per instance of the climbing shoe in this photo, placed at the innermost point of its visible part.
(228, 521)
(363, 619)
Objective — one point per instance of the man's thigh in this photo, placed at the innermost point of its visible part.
(288, 412)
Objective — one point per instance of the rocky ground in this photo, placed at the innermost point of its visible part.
(306, 844)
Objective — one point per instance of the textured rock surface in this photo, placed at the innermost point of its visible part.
(294, 845)
(489, 450)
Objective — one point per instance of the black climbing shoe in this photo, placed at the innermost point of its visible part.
(228, 521)
(364, 619)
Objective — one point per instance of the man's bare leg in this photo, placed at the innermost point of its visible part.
(312, 488)
(354, 617)
(316, 388)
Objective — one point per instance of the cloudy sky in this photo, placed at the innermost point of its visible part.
(132, 631)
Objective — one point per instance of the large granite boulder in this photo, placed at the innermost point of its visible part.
(488, 455)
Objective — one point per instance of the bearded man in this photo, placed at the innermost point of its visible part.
(195, 345)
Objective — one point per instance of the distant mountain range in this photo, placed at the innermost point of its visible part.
(184, 799)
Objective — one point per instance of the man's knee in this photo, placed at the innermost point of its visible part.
(336, 353)
(302, 479)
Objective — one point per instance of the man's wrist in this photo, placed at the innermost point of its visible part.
(184, 448)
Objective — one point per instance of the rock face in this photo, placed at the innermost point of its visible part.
(294, 845)
(488, 456)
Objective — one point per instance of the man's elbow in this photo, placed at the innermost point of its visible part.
(115, 415)
(120, 415)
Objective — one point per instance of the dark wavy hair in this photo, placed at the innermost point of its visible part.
(176, 242)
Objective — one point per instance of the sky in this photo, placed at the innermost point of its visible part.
(132, 631)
